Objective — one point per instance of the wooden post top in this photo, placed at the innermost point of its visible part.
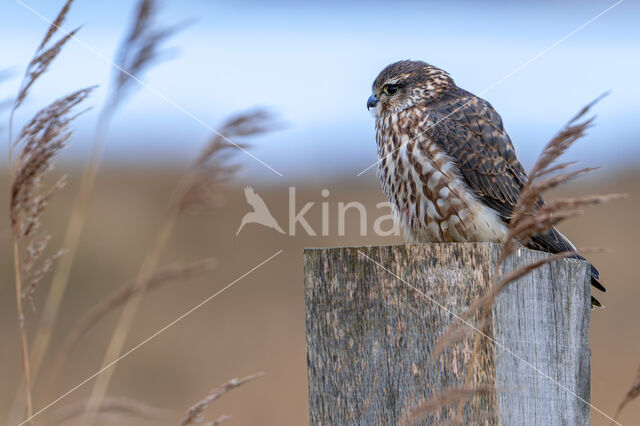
(375, 314)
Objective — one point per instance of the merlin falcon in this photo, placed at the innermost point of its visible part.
(446, 162)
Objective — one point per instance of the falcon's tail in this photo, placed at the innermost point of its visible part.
(553, 241)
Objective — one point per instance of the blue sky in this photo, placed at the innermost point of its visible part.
(313, 64)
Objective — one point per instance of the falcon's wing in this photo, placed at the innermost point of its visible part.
(471, 132)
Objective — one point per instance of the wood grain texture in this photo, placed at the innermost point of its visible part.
(371, 336)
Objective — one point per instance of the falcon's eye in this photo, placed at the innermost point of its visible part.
(390, 89)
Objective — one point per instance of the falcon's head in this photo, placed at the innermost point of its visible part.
(405, 84)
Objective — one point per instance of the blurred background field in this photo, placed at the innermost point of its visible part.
(258, 325)
(312, 65)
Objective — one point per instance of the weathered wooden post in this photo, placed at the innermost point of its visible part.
(373, 322)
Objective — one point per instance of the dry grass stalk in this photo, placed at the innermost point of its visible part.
(44, 56)
(482, 306)
(110, 406)
(139, 49)
(163, 276)
(633, 393)
(213, 168)
(454, 334)
(136, 53)
(56, 24)
(479, 307)
(195, 413)
(529, 218)
(446, 398)
(39, 141)
(37, 144)
(210, 169)
(168, 274)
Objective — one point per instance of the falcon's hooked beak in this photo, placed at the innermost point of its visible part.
(372, 102)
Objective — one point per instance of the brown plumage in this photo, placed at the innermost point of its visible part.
(447, 164)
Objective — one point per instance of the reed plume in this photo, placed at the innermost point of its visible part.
(139, 49)
(44, 55)
(197, 189)
(37, 144)
(195, 414)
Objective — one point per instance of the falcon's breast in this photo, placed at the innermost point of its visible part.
(430, 198)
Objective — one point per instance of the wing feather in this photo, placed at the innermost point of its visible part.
(470, 131)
